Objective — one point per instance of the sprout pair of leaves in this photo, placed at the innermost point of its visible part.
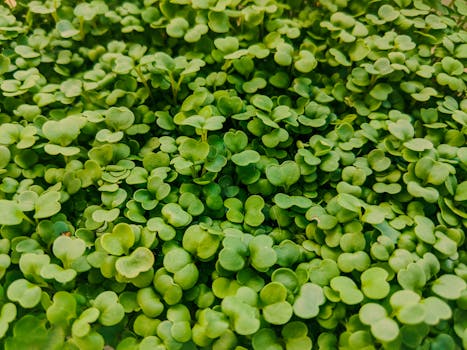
(415, 275)
(63, 309)
(382, 327)
(411, 309)
(164, 283)
(30, 331)
(22, 137)
(45, 205)
(309, 299)
(449, 73)
(172, 70)
(431, 171)
(283, 175)
(179, 262)
(149, 302)
(201, 242)
(242, 311)
(295, 335)
(324, 220)
(178, 322)
(276, 309)
(425, 232)
(233, 255)
(7, 316)
(344, 27)
(62, 133)
(250, 213)
(210, 324)
(174, 214)
(110, 311)
(27, 294)
(37, 267)
(136, 263)
(262, 253)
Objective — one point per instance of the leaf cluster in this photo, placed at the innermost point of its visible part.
(233, 174)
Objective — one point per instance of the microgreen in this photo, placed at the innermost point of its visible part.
(233, 174)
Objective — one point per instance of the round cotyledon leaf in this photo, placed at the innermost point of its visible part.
(374, 284)
(284, 174)
(24, 292)
(246, 157)
(140, 260)
(193, 150)
(111, 311)
(120, 240)
(385, 329)
(310, 297)
(347, 289)
(48, 204)
(11, 213)
(68, 249)
(449, 286)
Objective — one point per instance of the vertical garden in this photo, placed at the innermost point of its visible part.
(233, 174)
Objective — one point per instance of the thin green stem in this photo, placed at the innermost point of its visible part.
(204, 135)
(81, 28)
(145, 82)
(29, 219)
(194, 174)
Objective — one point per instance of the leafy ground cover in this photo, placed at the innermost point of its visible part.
(233, 174)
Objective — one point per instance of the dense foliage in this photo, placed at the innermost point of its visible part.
(233, 174)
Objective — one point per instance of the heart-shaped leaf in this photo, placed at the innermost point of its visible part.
(11, 213)
(47, 205)
(24, 292)
(308, 301)
(285, 174)
(140, 260)
(120, 240)
(110, 310)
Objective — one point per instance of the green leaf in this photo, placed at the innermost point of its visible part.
(449, 286)
(435, 310)
(111, 311)
(194, 151)
(461, 192)
(285, 174)
(374, 284)
(24, 292)
(177, 27)
(11, 213)
(347, 289)
(68, 249)
(371, 313)
(64, 131)
(306, 63)
(262, 102)
(402, 129)
(48, 204)
(236, 141)
(63, 308)
(246, 157)
(218, 22)
(4, 64)
(120, 240)
(139, 261)
(452, 66)
(227, 44)
(424, 229)
(381, 91)
(385, 330)
(66, 29)
(310, 297)
(175, 215)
